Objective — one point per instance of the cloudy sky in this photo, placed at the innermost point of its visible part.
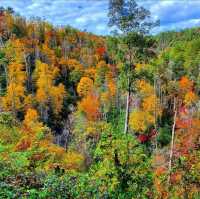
(91, 15)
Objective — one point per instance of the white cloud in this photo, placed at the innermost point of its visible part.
(179, 25)
(92, 14)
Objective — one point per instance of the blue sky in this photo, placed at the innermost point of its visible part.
(91, 15)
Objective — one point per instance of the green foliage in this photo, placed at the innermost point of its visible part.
(122, 166)
(171, 37)
(21, 186)
(5, 170)
(40, 135)
(128, 16)
(75, 76)
(19, 160)
(99, 161)
(9, 135)
(6, 191)
(6, 118)
(58, 187)
(164, 136)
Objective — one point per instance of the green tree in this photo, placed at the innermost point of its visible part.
(134, 22)
(122, 169)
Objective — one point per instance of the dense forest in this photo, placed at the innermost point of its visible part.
(86, 116)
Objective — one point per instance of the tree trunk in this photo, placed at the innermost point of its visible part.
(14, 112)
(6, 74)
(3, 64)
(37, 53)
(28, 73)
(127, 108)
(172, 140)
(155, 112)
(1, 42)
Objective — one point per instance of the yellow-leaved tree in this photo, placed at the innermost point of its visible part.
(13, 100)
(47, 93)
(141, 120)
(85, 86)
(31, 117)
(57, 94)
(146, 115)
(16, 77)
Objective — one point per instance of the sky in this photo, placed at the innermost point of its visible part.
(91, 15)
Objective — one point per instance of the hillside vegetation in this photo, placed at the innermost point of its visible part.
(85, 116)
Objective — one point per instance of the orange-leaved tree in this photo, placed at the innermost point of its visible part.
(90, 106)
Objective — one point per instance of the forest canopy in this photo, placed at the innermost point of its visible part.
(87, 116)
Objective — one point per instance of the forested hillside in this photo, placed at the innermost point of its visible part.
(85, 116)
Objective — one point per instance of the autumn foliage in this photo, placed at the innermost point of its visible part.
(85, 86)
(66, 97)
(90, 106)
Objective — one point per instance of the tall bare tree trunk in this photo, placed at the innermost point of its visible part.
(127, 107)
(14, 112)
(155, 112)
(28, 72)
(172, 140)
